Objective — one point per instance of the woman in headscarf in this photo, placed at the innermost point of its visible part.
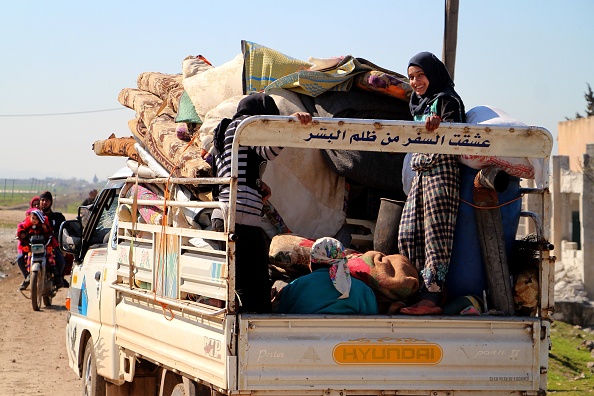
(251, 255)
(329, 289)
(429, 216)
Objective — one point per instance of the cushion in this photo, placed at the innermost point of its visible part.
(520, 167)
(384, 83)
(211, 87)
(291, 254)
(193, 65)
(392, 276)
(186, 111)
(150, 214)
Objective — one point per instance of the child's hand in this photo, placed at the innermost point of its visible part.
(265, 191)
(432, 122)
(303, 116)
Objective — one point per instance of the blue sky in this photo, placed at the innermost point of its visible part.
(532, 59)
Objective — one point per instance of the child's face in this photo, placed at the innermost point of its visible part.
(35, 204)
(34, 219)
(418, 80)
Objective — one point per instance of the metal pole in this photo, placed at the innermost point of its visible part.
(450, 35)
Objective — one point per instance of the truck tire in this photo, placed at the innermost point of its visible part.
(36, 288)
(93, 383)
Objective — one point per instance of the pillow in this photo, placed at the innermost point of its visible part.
(291, 253)
(193, 65)
(393, 276)
(186, 112)
(150, 214)
(514, 166)
(225, 109)
(209, 88)
(384, 83)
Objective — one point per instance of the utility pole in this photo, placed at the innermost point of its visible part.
(450, 35)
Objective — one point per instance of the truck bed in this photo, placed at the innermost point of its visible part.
(307, 353)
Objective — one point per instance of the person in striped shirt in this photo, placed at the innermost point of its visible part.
(251, 258)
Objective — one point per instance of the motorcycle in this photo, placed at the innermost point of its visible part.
(41, 277)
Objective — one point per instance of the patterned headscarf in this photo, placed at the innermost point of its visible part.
(330, 251)
(39, 214)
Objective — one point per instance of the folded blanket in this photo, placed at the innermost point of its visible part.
(314, 83)
(181, 158)
(262, 66)
(159, 84)
(145, 104)
(137, 128)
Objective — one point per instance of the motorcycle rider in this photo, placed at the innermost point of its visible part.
(55, 220)
(35, 223)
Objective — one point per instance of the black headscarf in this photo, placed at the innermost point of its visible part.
(440, 83)
(255, 104)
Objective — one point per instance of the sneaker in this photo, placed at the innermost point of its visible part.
(25, 284)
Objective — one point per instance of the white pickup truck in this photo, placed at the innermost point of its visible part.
(136, 327)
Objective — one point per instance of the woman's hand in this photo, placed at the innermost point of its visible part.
(303, 117)
(432, 122)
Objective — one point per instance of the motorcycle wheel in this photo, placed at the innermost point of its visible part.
(49, 292)
(47, 300)
(36, 288)
(93, 383)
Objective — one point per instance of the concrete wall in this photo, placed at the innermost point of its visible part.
(573, 136)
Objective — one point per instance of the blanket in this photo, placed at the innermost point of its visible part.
(145, 104)
(180, 158)
(392, 277)
(113, 146)
(262, 66)
(341, 78)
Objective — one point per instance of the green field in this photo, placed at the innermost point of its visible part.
(569, 374)
(68, 194)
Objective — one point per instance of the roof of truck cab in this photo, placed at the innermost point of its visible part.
(122, 173)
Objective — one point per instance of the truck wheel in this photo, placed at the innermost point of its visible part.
(178, 390)
(36, 288)
(93, 383)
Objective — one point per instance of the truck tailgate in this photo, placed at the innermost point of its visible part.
(287, 352)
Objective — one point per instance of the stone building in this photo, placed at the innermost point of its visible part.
(572, 189)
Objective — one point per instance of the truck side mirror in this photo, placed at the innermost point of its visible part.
(70, 237)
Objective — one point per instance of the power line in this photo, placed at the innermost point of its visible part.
(62, 114)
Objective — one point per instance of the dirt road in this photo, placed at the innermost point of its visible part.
(33, 358)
